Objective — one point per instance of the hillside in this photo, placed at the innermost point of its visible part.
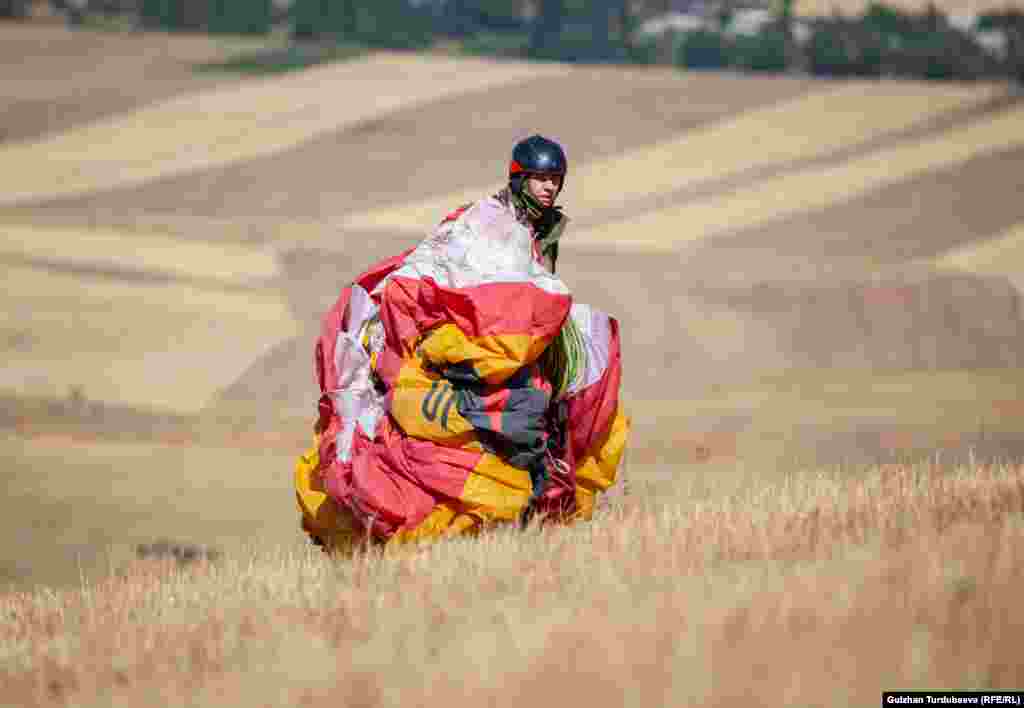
(805, 270)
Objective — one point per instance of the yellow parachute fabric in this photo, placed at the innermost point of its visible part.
(322, 518)
(494, 492)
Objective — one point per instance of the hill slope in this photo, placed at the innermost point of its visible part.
(782, 253)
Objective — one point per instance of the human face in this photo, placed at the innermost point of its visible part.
(544, 187)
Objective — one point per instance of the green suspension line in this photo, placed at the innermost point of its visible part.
(565, 358)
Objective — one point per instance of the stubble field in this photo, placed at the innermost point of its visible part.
(823, 590)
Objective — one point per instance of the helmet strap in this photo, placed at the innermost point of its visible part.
(534, 209)
(548, 238)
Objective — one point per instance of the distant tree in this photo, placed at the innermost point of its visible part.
(1011, 24)
(458, 18)
(703, 49)
(464, 18)
(14, 9)
(499, 14)
(547, 27)
(601, 12)
(612, 25)
(390, 23)
(224, 16)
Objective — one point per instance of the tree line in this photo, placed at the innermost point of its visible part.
(717, 34)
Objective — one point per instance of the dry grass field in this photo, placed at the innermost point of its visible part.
(824, 589)
(820, 294)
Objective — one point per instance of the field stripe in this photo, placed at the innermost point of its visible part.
(1000, 255)
(246, 120)
(814, 395)
(417, 217)
(808, 189)
(799, 129)
(806, 127)
(162, 346)
(140, 252)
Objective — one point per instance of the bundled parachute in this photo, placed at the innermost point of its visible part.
(460, 387)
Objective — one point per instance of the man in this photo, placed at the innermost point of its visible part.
(461, 386)
(536, 177)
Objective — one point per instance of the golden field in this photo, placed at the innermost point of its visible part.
(824, 589)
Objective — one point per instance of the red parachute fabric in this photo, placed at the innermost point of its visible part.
(435, 416)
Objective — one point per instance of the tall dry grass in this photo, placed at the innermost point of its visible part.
(825, 589)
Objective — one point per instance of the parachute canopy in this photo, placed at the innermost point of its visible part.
(438, 414)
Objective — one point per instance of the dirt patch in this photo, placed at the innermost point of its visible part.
(915, 218)
(914, 321)
(62, 78)
(879, 442)
(90, 504)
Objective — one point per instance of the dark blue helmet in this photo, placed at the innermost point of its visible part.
(535, 155)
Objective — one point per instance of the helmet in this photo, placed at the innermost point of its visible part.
(535, 155)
